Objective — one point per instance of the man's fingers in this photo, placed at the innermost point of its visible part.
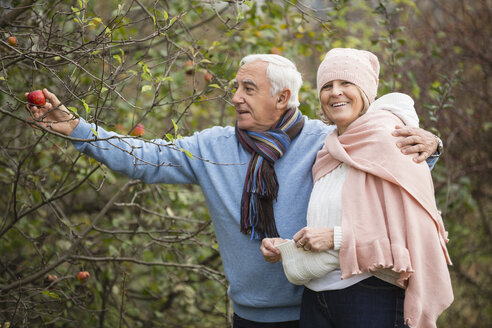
(403, 131)
(416, 148)
(51, 98)
(408, 141)
(421, 157)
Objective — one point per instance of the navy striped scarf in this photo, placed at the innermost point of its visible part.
(261, 184)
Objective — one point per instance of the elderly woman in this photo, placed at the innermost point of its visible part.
(373, 253)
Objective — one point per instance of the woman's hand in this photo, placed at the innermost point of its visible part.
(269, 251)
(314, 239)
(53, 116)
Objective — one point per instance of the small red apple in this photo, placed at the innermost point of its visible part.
(120, 128)
(51, 280)
(12, 41)
(36, 98)
(83, 276)
(275, 51)
(208, 77)
(138, 131)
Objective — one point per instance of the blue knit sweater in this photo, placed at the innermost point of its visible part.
(259, 290)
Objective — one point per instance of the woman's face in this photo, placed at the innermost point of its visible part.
(341, 102)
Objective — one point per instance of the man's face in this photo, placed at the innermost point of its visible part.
(256, 109)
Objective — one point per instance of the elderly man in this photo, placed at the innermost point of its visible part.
(267, 197)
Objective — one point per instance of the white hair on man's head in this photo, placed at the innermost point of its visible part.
(282, 73)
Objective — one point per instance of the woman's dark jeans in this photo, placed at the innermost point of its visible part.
(369, 303)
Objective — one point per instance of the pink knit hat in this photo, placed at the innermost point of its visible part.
(359, 67)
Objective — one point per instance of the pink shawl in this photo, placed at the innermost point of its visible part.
(389, 215)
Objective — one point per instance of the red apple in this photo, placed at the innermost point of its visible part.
(208, 77)
(36, 98)
(275, 51)
(120, 128)
(12, 41)
(138, 131)
(83, 276)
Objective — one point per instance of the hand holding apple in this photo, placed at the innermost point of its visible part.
(36, 98)
(53, 114)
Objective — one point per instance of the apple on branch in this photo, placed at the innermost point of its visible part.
(83, 276)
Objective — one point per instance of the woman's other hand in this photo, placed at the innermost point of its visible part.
(314, 239)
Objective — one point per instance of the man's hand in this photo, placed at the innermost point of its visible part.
(314, 239)
(53, 116)
(416, 141)
(269, 251)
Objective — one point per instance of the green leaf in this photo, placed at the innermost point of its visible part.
(113, 251)
(87, 108)
(118, 58)
(2, 78)
(190, 155)
(51, 294)
(166, 16)
(146, 88)
(94, 132)
(175, 127)
(74, 110)
(214, 86)
(170, 137)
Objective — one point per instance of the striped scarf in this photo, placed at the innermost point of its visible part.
(261, 184)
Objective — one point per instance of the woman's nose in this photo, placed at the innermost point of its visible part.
(336, 90)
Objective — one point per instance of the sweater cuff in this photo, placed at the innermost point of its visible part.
(81, 131)
(337, 237)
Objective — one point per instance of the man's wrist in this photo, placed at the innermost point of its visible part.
(440, 147)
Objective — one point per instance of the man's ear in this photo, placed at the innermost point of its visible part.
(283, 98)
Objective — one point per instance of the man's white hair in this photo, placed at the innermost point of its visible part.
(282, 73)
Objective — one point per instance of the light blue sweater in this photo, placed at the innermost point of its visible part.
(259, 290)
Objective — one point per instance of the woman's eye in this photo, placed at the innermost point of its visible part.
(327, 86)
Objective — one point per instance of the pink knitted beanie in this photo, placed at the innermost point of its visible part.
(359, 67)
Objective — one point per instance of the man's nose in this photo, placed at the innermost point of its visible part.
(237, 98)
